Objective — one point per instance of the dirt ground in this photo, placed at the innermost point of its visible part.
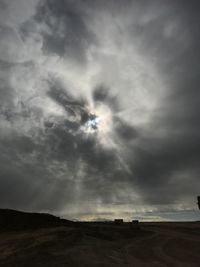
(103, 245)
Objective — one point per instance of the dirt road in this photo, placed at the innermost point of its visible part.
(154, 245)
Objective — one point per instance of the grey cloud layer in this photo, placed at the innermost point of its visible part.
(46, 161)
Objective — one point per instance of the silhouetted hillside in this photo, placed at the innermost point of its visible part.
(18, 220)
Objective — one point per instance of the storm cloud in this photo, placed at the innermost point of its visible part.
(99, 107)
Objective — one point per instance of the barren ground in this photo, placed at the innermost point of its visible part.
(103, 245)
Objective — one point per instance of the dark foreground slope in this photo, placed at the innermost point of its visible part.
(103, 245)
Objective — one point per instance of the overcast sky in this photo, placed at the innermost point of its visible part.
(100, 107)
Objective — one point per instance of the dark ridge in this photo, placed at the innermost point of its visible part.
(18, 220)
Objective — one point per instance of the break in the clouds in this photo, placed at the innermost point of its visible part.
(99, 106)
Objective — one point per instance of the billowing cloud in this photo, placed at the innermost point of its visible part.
(99, 106)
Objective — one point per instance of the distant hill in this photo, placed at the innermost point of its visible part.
(18, 220)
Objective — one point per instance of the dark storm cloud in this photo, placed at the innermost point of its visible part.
(162, 162)
(164, 167)
(125, 131)
(101, 93)
(29, 184)
(74, 107)
(29, 180)
(68, 33)
(48, 162)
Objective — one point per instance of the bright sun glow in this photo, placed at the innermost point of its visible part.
(100, 121)
(93, 122)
